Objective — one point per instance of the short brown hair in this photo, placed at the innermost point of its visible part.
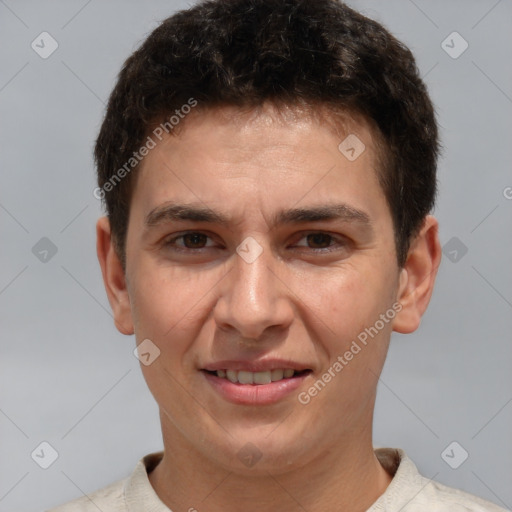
(247, 52)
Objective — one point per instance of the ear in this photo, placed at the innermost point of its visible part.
(113, 277)
(417, 277)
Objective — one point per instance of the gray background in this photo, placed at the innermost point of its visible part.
(69, 378)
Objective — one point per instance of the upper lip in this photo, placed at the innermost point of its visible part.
(255, 366)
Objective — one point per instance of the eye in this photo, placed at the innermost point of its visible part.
(189, 241)
(322, 239)
(195, 241)
(322, 242)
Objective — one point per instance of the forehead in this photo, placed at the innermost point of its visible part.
(235, 158)
(292, 122)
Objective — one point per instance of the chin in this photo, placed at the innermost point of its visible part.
(259, 454)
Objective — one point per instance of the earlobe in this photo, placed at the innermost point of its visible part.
(113, 277)
(417, 277)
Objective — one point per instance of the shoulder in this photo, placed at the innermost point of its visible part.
(109, 498)
(131, 493)
(411, 492)
(441, 498)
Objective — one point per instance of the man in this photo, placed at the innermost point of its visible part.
(268, 169)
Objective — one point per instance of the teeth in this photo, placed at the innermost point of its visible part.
(276, 375)
(231, 375)
(244, 377)
(262, 378)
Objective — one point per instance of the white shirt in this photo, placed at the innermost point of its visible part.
(407, 492)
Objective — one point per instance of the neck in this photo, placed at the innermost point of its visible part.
(348, 478)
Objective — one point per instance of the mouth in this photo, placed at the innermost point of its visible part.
(257, 378)
(262, 387)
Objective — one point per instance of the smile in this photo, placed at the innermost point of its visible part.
(257, 378)
(244, 387)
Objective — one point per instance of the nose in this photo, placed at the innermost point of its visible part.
(254, 298)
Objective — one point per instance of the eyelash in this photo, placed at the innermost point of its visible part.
(342, 241)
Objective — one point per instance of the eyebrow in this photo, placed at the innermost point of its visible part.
(171, 211)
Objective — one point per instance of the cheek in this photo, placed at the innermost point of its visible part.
(172, 308)
(162, 297)
(355, 342)
(353, 299)
(151, 310)
(165, 310)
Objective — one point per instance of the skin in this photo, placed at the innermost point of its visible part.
(303, 299)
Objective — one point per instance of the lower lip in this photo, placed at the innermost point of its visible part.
(254, 394)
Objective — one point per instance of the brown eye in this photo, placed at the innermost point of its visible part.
(319, 240)
(191, 241)
(194, 240)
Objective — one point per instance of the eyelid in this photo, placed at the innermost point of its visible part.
(334, 236)
(168, 241)
(338, 239)
(338, 242)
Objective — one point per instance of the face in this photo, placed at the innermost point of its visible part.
(257, 258)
